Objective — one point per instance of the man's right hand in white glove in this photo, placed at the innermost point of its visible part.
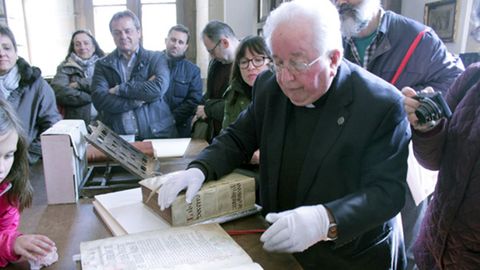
(190, 179)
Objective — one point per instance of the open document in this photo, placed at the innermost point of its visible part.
(205, 246)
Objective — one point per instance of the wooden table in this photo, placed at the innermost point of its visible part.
(69, 224)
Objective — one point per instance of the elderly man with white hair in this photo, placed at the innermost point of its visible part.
(334, 143)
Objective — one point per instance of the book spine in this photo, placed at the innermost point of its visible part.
(214, 201)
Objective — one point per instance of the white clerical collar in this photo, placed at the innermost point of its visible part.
(311, 106)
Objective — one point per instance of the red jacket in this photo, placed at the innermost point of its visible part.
(9, 222)
(450, 234)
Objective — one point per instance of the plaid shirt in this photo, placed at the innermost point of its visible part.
(370, 50)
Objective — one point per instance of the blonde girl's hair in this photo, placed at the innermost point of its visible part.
(20, 195)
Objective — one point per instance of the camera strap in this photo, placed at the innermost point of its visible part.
(407, 56)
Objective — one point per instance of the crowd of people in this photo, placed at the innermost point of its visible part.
(324, 105)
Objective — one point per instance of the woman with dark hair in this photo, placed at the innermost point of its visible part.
(252, 58)
(74, 75)
(29, 94)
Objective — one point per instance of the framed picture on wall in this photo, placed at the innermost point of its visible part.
(440, 16)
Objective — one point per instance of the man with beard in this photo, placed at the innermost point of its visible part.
(450, 234)
(378, 40)
(185, 90)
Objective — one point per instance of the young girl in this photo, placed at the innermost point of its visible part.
(16, 194)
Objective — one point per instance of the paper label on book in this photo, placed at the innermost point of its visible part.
(232, 193)
(215, 200)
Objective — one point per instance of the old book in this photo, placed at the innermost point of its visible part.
(203, 247)
(231, 194)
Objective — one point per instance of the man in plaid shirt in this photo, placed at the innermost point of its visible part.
(378, 40)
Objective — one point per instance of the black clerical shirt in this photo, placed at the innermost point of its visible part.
(300, 125)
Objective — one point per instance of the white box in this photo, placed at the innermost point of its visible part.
(64, 160)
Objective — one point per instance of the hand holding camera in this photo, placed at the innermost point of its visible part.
(425, 108)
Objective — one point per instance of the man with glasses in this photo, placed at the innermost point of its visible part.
(129, 84)
(221, 43)
(333, 140)
(378, 40)
(185, 90)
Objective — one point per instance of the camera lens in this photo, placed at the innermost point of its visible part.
(427, 111)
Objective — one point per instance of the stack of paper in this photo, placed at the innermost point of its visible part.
(123, 212)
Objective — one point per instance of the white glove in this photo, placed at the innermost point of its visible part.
(296, 230)
(191, 179)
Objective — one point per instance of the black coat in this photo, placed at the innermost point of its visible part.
(356, 164)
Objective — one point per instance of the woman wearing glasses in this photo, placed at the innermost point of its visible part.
(252, 58)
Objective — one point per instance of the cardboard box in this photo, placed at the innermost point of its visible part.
(64, 160)
(231, 194)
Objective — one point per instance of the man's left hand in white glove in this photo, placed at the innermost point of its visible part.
(296, 230)
(190, 179)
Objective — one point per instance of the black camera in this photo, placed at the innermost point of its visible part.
(432, 107)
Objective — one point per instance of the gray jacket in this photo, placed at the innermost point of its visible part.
(76, 102)
(34, 102)
(139, 107)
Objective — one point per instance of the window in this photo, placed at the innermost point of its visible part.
(103, 11)
(157, 18)
(66, 16)
(16, 23)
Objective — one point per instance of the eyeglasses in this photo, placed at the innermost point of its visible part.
(212, 50)
(257, 61)
(295, 67)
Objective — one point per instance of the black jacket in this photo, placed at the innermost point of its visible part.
(356, 164)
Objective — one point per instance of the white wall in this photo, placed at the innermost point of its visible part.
(238, 14)
(242, 17)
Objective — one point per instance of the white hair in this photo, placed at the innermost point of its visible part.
(356, 19)
(324, 19)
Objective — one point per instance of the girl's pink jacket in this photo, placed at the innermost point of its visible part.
(9, 222)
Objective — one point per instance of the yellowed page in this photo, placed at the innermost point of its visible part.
(202, 247)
